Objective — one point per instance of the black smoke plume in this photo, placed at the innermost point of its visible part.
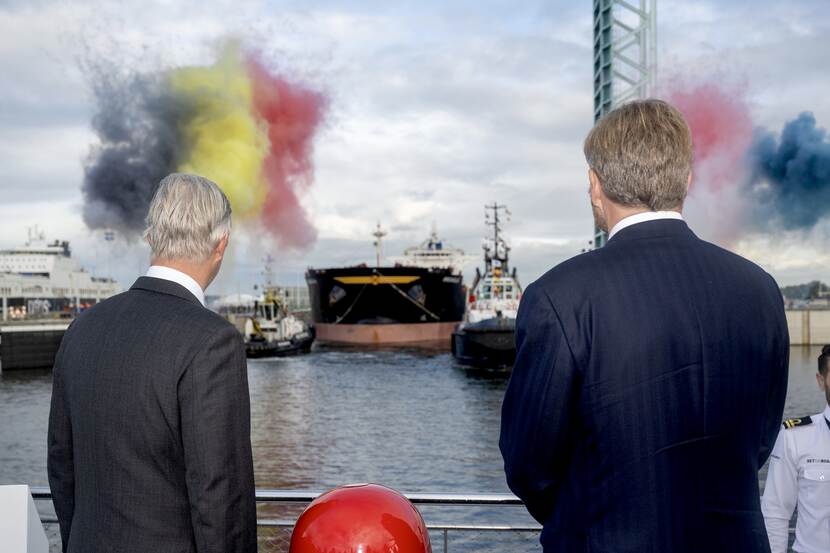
(791, 173)
(136, 120)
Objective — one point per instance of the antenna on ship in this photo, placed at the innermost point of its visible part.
(35, 235)
(378, 234)
(268, 272)
(493, 218)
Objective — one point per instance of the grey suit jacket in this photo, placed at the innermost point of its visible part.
(149, 429)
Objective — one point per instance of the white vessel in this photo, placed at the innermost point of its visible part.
(433, 253)
(496, 292)
(42, 280)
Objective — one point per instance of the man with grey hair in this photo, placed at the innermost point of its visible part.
(149, 429)
(651, 373)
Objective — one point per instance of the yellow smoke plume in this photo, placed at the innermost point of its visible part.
(222, 138)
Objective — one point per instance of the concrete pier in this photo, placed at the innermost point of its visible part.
(809, 327)
(31, 345)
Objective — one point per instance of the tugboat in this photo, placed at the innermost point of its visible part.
(485, 338)
(273, 332)
(417, 297)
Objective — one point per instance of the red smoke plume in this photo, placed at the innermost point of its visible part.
(721, 132)
(294, 113)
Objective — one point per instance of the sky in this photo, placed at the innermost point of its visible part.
(435, 108)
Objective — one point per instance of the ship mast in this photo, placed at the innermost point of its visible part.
(493, 217)
(268, 271)
(378, 234)
(35, 235)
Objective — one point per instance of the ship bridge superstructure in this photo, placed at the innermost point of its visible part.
(497, 291)
(434, 253)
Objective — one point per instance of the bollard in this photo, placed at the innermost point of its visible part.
(360, 518)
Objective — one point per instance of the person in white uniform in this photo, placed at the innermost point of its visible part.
(799, 476)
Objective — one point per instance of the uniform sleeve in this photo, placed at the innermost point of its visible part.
(780, 492)
(60, 458)
(216, 436)
(538, 410)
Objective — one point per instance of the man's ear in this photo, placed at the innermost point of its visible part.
(219, 252)
(595, 188)
(821, 382)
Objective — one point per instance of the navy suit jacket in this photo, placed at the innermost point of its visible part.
(648, 390)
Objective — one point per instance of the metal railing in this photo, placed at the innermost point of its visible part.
(304, 497)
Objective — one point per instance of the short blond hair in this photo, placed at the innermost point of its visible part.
(642, 154)
(188, 216)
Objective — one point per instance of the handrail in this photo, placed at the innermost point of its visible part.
(268, 495)
(420, 498)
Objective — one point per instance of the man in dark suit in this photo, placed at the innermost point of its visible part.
(651, 373)
(149, 429)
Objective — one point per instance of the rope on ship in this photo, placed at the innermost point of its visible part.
(349, 310)
(418, 305)
(398, 290)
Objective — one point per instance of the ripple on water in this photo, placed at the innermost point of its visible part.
(410, 419)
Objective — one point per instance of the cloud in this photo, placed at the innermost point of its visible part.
(41, 162)
(793, 257)
(437, 108)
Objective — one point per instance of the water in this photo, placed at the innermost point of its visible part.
(410, 419)
(413, 420)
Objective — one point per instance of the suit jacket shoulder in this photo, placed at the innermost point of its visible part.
(571, 274)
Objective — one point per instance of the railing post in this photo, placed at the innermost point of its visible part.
(445, 540)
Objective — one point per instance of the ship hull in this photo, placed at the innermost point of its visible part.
(490, 343)
(385, 305)
(295, 345)
(378, 334)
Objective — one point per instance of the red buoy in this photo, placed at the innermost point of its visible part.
(360, 518)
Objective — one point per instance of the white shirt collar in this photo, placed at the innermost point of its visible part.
(642, 218)
(168, 273)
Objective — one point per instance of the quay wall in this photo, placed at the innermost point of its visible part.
(809, 326)
(25, 346)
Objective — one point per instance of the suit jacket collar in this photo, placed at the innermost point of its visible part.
(652, 229)
(162, 286)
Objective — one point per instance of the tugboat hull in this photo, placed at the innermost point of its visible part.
(489, 343)
(297, 344)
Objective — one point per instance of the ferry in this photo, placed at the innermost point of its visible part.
(41, 287)
(41, 279)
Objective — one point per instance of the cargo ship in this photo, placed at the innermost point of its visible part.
(417, 297)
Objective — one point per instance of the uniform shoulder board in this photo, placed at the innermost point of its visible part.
(792, 423)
